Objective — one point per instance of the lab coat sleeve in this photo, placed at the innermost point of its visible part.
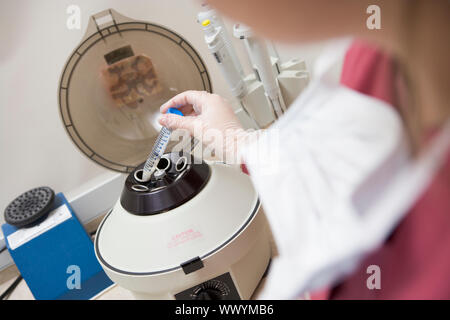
(305, 169)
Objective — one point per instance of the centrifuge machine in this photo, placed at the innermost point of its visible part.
(197, 230)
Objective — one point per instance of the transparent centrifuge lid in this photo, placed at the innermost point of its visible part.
(114, 83)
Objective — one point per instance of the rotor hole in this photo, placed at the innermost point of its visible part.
(139, 188)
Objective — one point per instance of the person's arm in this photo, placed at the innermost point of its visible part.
(305, 169)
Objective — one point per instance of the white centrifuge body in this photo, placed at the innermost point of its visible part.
(223, 226)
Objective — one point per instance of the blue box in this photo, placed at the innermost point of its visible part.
(56, 258)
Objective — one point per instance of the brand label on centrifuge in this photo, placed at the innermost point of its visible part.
(183, 237)
(24, 235)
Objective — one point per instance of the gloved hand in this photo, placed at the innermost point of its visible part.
(210, 119)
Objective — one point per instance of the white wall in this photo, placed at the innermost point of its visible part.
(35, 149)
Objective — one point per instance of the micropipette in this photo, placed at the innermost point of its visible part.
(158, 149)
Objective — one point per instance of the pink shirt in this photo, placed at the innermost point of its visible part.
(415, 259)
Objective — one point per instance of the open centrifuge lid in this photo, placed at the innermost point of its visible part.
(115, 81)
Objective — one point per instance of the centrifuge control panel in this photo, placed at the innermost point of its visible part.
(219, 288)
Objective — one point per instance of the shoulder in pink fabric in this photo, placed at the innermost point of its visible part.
(369, 70)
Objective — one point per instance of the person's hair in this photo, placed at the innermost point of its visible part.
(407, 98)
(406, 102)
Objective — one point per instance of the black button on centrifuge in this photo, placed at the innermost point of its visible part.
(192, 265)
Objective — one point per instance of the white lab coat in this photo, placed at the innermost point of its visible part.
(334, 177)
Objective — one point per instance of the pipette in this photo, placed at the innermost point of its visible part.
(259, 55)
(158, 149)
